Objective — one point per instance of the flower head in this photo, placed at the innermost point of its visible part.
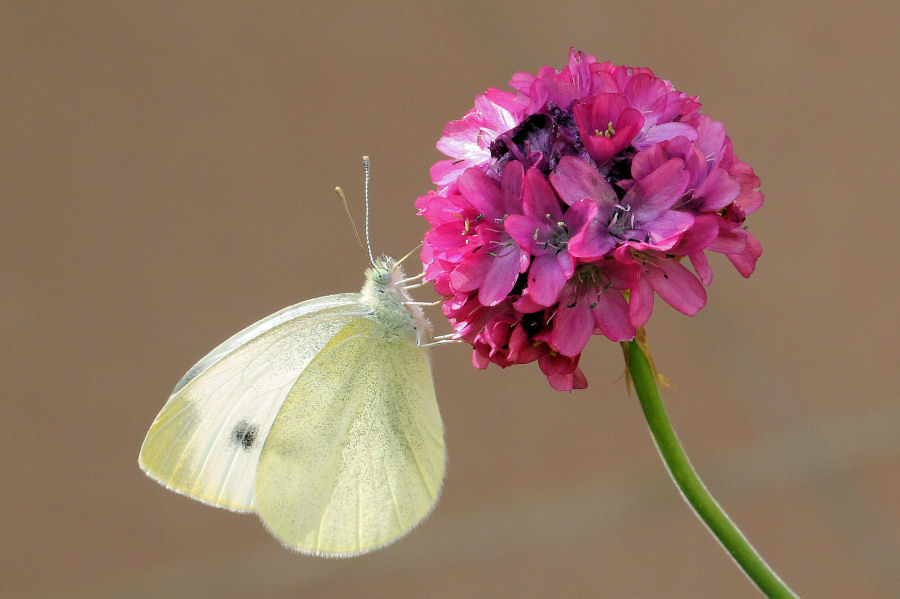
(570, 203)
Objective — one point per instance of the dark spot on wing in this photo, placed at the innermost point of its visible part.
(244, 434)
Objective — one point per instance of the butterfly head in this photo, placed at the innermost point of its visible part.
(385, 272)
(385, 293)
(384, 282)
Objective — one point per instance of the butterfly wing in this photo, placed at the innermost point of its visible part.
(355, 458)
(207, 439)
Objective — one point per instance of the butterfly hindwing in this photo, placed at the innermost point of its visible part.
(355, 457)
(207, 439)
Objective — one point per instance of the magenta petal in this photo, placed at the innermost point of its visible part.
(501, 276)
(565, 264)
(568, 382)
(711, 138)
(648, 161)
(539, 199)
(745, 262)
(522, 81)
(640, 302)
(702, 233)
(643, 90)
(572, 328)
(611, 316)
(593, 118)
(562, 372)
(580, 214)
(482, 193)
(522, 228)
(600, 148)
(471, 272)
(677, 286)
(717, 191)
(668, 225)
(664, 132)
(546, 280)
(526, 305)
(593, 241)
(457, 140)
(659, 190)
(447, 241)
(701, 266)
(445, 172)
(511, 186)
(731, 239)
(576, 180)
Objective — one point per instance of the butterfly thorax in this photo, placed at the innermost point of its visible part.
(387, 298)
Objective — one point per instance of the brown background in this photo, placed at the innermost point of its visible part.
(167, 175)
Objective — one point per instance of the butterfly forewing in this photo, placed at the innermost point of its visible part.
(355, 458)
(207, 439)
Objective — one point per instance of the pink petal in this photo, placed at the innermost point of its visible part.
(648, 161)
(711, 139)
(676, 285)
(611, 316)
(659, 190)
(593, 241)
(501, 276)
(580, 72)
(539, 198)
(470, 273)
(575, 180)
(731, 240)
(522, 228)
(448, 241)
(526, 305)
(702, 233)
(665, 132)
(480, 359)
(745, 262)
(579, 215)
(596, 114)
(511, 185)
(643, 90)
(459, 138)
(572, 328)
(701, 266)
(640, 302)
(546, 279)
(522, 81)
(668, 225)
(482, 193)
(567, 382)
(717, 191)
(445, 172)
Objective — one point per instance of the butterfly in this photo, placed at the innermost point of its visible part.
(320, 418)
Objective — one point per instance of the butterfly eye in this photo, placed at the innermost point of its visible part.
(381, 277)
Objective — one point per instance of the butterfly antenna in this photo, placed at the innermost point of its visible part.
(410, 253)
(359, 242)
(366, 192)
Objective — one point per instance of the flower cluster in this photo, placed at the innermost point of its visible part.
(569, 203)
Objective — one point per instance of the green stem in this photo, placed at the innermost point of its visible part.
(705, 506)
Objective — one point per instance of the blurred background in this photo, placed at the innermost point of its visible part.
(167, 176)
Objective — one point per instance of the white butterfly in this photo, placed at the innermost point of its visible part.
(321, 418)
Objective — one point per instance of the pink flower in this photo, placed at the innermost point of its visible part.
(570, 203)
(642, 217)
(492, 262)
(544, 232)
(607, 124)
(468, 140)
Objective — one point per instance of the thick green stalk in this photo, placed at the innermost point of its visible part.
(696, 494)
